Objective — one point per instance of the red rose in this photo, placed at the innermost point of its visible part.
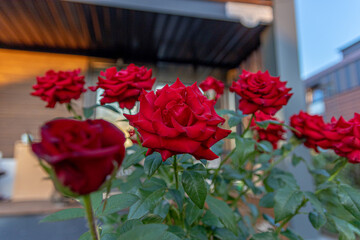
(273, 133)
(178, 119)
(311, 128)
(81, 152)
(344, 138)
(59, 87)
(214, 84)
(260, 91)
(124, 86)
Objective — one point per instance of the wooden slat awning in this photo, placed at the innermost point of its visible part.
(133, 35)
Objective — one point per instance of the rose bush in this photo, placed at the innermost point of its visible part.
(159, 197)
(82, 153)
(62, 87)
(124, 86)
(211, 83)
(260, 92)
(178, 114)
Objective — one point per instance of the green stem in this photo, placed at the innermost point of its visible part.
(248, 127)
(90, 218)
(332, 177)
(72, 111)
(222, 163)
(176, 173)
(286, 220)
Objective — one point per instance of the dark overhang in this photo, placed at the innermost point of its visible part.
(194, 32)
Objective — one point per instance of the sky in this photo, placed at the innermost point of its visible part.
(323, 28)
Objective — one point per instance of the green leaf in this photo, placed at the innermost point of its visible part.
(178, 231)
(198, 167)
(129, 224)
(145, 232)
(265, 146)
(314, 201)
(195, 187)
(162, 209)
(146, 203)
(152, 218)
(119, 202)
(177, 196)
(169, 236)
(153, 184)
(192, 212)
(265, 236)
(317, 219)
(211, 220)
(252, 186)
(264, 124)
(65, 214)
(223, 212)
(224, 234)
(296, 160)
(345, 229)
(134, 158)
(350, 199)
(152, 163)
(291, 235)
(110, 236)
(89, 111)
(112, 108)
(96, 199)
(287, 200)
(244, 148)
(85, 236)
(267, 200)
(234, 121)
(198, 233)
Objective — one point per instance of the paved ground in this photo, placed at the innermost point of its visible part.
(29, 228)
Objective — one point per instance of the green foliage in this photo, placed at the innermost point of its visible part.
(65, 214)
(223, 212)
(152, 163)
(287, 201)
(194, 185)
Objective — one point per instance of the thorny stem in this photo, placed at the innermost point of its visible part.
(176, 173)
(90, 218)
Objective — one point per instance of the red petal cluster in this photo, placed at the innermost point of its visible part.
(214, 84)
(260, 92)
(178, 119)
(339, 135)
(273, 133)
(59, 87)
(124, 86)
(81, 152)
(310, 128)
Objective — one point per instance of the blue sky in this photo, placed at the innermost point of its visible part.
(323, 28)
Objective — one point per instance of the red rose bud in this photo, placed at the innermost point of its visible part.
(124, 86)
(214, 84)
(273, 133)
(310, 128)
(260, 91)
(59, 87)
(82, 153)
(134, 137)
(178, 119)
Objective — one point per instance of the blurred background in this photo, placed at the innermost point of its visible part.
(314, 45)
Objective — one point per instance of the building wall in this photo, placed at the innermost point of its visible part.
(344, 104)
(19, 111)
